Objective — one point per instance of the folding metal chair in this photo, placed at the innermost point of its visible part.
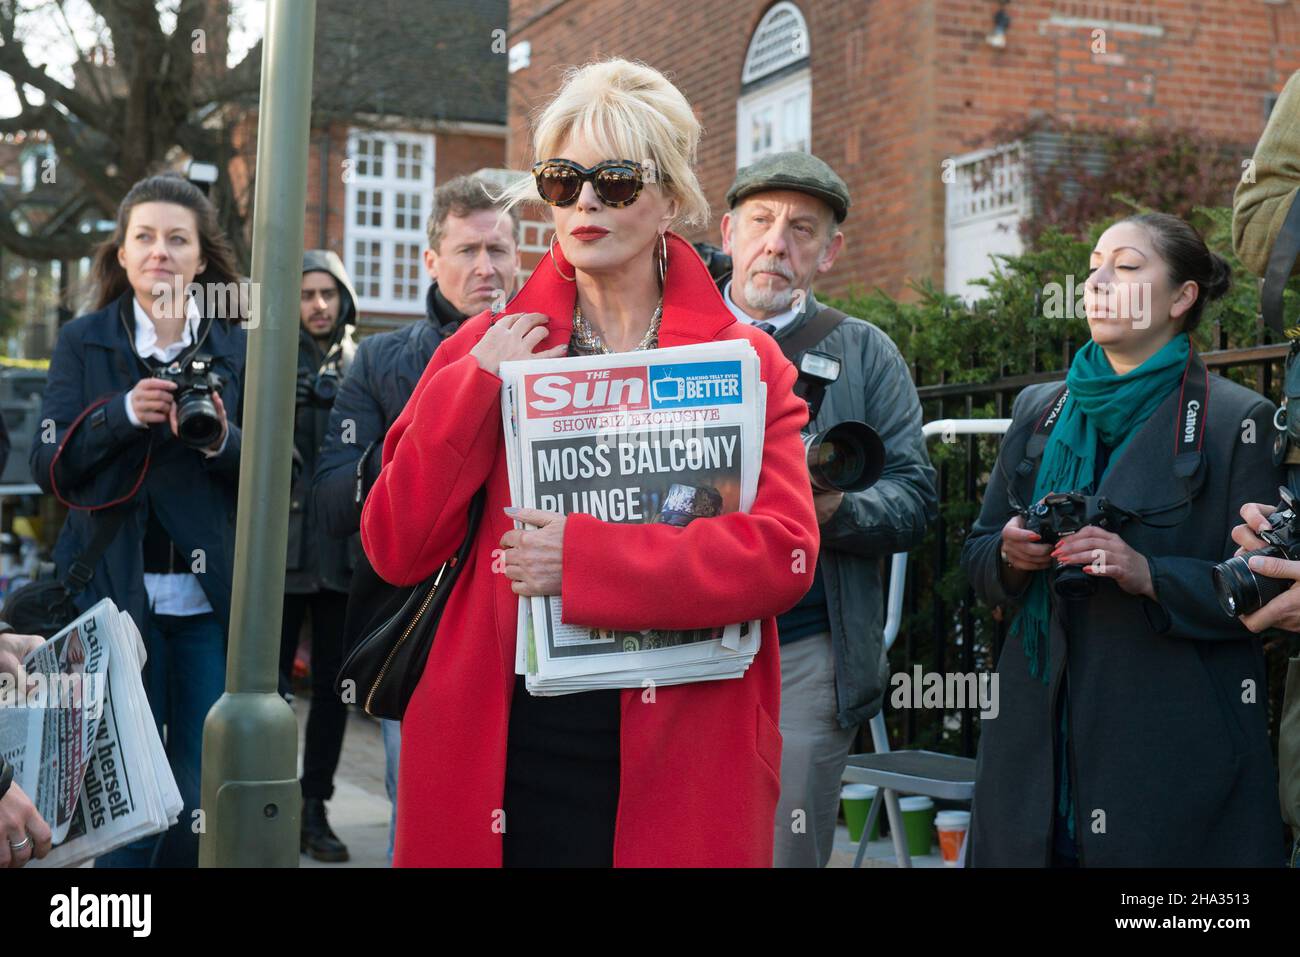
(928, 773)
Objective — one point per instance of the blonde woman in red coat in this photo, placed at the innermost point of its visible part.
(688, 775)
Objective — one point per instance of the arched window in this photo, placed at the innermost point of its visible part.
(774, 112)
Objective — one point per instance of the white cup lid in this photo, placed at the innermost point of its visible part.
(858, 792)
(952, 819)
(919, 803)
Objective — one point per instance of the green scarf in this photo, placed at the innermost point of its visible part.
(1101, 405)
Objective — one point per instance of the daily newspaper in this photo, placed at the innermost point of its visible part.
(665, 436)
(83, 741)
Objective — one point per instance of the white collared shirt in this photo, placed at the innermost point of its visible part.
(146, 333)
(177, 593)
(780, 321)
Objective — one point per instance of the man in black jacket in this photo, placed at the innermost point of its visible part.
(473, 260)
(318, 568)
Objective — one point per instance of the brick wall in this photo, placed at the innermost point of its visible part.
(900, 85)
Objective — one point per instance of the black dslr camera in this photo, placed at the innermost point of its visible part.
(1061, 514)
(321, 388)
(197, 421)
(847, 457)
(1240, 590)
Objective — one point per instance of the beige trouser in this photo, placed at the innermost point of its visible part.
(814, 752)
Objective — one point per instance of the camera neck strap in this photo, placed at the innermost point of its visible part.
(826, 321)
(1281, 263)
(1189, 435)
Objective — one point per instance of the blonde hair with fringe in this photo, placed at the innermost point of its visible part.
(629, 111)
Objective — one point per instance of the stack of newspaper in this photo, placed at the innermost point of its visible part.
(663, 435)
(83, 741)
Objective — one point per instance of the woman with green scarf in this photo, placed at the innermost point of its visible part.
(1132, 722)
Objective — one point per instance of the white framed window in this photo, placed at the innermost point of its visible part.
(986, 199)
(774, 112)
(388, 197)
(775, 118)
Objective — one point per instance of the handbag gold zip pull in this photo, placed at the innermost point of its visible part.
(409, 628)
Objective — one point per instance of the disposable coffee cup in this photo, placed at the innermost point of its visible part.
(918, 821)
(952, 827)
(856, 800)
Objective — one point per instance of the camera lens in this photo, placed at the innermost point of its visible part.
(197, 422)
(848, 457)
(327, 387)
(1240, 590)
(1072, 582)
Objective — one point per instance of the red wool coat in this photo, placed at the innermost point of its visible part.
(700, 764)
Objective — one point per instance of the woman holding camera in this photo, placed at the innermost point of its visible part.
(138, 420)
(1133, 723)
(685, 775)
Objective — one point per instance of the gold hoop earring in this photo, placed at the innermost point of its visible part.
(574, 277)
(663, 258)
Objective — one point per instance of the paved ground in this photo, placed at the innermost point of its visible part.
(879, 853)
(359, 809)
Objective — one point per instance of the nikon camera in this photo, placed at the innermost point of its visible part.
(1240, 590)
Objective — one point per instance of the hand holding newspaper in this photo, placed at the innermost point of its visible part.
(664, 435)
(83, 741)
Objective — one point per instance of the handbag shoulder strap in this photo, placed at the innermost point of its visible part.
(82, 570)
(1281, 263)
(814, 331)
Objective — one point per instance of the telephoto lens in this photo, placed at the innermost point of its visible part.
(848, 457)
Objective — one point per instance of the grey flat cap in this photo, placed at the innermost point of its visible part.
(793, 170)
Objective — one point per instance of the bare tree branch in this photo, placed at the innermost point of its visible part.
(64, 246)
(88, 67)
(14, 62)
(28, 121)
(189, 17)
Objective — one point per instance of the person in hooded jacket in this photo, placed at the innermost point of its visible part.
(318, 568)
(116, 439)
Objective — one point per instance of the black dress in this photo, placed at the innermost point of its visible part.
(562, 770)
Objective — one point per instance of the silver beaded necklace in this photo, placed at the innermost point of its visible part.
(587, 339)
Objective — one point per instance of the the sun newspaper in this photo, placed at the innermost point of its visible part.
(663, 435)
(83, 741)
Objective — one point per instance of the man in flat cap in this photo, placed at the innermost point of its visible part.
(782, 232)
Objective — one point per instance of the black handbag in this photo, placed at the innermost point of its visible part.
(46, 606)
(396, 626)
